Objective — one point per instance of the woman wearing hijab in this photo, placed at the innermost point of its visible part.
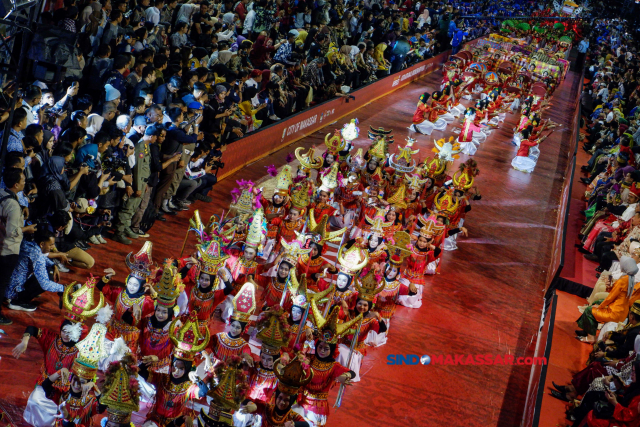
(53, 185)
(351, 72)
(94, 124)
(382, 64)
(614, 308)
(261, 50)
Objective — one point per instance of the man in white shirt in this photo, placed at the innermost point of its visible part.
(152, 14)
(248, 22)
(31, 98)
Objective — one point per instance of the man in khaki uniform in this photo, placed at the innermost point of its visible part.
(141, 172)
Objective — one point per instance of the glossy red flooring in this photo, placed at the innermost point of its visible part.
(487, 299)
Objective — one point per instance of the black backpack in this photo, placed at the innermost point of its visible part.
(148, 218)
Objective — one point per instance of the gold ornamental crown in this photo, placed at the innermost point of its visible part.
(292, 376)
(308, 161)
(229, 391)
(400, 249)
(120, 391)
(330, 330)
(447, 150)
(403, 161)
(464, 177)
(446, 204)
(367, 287)
(244, 303)
(293, 250)
(430, 226)
(378, 223)
(320, 229)
(187, 338)
(272, 331)
(414, 182)
(257, 229)
(244, 203)
(284, 181)
(141, 263)
(211, 256)
(90, 351)
(169, 286)
(330, 179)
(300, 197)
(80, 304)
(335, 144)
(434, 167)
(352, 260)
(378, 149)
(398, 199)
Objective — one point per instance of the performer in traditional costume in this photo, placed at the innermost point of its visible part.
(368, 286)
(80, 404)
(275, 280)
(470, 135)
(59, 349)
(301, 329)
(273, 332)
(132, 303)
(120, 392)
(230, 343)
(373, 241)
(323, 205)
(308, 162)
(351, 260)
(326, 370)
(174, 389)
(154, 343)
(243, 267)
(276, 209)
(295, 220)
(228, 388)
(528, 152)
(423, 252)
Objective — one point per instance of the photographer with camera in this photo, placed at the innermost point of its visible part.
(203, 167)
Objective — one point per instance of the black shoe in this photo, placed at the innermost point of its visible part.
(5, 320)
(82, 245)
(584, 168)
(579, 245)
(560, 388)
(583, 251)
(559, 396)
(585, 181)
(160, 218)
(591, 257)
(599, 269)
(580, 333)
(21, 306)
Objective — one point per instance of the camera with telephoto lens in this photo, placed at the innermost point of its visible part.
(114, 164)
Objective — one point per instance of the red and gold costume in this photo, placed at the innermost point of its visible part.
(56, 356)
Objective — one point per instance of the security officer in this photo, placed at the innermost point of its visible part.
(141, 172)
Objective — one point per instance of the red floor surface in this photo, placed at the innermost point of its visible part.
(487, 299)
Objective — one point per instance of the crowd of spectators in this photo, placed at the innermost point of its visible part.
(136, 126)
(607, 390)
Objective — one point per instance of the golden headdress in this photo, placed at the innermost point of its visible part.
(376, 177)
(378, 150)
(378, 222)
(308, 161)
(352, 260)
(403, 161)
(320, 232)
(447, 150)
(293, 250)
(367, 286)
(335, 144)
(330, 330)
(374, 133)
(257, 230)
(414, 182)
(141, 263)
(434, 167)
(283, 181)
(79, 302)
(120, 391)
(169, 286)
(244, 204)
(400, 248)
(227, 395)
(244, 303)
(301, 194)
(91, 349)
(211, 256)
(273, 330)
(430, 226)
(397, 199)
(356, 161)
(464, 177)
(446, 204)
(330, 180)
(300, 295)
(187, 338)
(292, 376)
(350, 131)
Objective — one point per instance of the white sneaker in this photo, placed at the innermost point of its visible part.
(94, 240)
(274, 117)
(171, 205)
(101, 239)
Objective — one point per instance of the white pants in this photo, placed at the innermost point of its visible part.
(356, 360)
(40, 411)
(314, 420)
